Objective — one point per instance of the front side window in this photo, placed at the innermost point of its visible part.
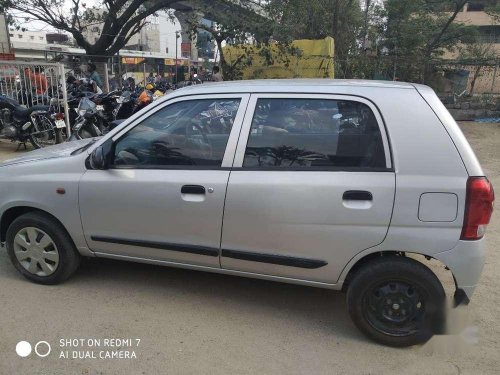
(187, 133)
(314, 133)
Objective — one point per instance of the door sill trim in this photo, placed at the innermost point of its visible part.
(191, 249)
(281, 260)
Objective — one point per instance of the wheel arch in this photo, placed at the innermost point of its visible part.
(356, 263)
(13, 213)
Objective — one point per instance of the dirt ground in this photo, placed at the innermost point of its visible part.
(192, 322)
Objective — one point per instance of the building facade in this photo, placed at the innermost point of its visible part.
(474, 13)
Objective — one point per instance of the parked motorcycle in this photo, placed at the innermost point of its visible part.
(86, 125)
(40, 124)
(96, 114)
(105, 105)
(126, 105)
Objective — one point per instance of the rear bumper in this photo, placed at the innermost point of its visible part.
(466, 262)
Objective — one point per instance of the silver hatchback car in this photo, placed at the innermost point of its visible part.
(326, 183)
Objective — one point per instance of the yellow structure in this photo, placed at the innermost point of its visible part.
(309, 59)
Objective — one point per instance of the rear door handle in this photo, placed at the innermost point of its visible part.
(357, 195)
(193, 189)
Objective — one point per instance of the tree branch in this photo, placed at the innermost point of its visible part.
(459, 4)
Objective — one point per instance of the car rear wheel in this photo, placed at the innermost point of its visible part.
(40, 248)
(396, 301)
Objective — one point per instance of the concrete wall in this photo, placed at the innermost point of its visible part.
(474, 109)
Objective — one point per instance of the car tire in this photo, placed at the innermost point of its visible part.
(41, 249)
(396, 301)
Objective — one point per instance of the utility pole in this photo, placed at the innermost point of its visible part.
(176, 61)
(119, 69)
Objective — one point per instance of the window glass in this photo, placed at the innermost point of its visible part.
(192, 132)
(476, 6)
(312, 133)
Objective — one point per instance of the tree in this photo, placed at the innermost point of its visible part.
(366, 24)
(479, 55)
(251, 25)
(120, 20)
(493, 10)
(317, 19)
(419, 31)
(254, 30)
(221, 33)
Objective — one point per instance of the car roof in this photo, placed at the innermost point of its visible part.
(287, 85)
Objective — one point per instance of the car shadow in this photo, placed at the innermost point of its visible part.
(312, 308)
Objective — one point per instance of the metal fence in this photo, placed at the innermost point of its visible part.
(33, 84)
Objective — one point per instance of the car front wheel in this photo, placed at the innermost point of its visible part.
(41, 249)
(396, 301)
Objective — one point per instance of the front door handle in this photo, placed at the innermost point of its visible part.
(357, 195)
(193, 189)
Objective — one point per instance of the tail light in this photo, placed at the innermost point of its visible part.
(478, 208)
(59, 116)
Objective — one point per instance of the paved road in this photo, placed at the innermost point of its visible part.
(191, 322)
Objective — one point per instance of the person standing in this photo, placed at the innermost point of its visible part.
(216, 75)
(37, 79)
(93, 75)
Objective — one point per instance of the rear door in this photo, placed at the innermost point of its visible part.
(312, 185)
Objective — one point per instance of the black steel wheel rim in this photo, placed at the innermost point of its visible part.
(395, 307)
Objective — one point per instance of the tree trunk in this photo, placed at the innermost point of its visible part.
(365, 25)
(222, 61)
(435, 42)
(477, 73)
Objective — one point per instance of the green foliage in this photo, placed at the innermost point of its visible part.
(317, 19)
(494, 11)
(418, 32)
(423, 27)
(118, 20)
(253, 26)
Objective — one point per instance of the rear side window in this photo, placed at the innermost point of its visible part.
(314, 133)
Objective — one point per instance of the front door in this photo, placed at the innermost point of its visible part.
(163, 196)
(312, 185)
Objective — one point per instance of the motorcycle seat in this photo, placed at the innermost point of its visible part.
(21, 112)
(39, 108)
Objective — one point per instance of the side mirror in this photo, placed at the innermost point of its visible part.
(100, 157)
